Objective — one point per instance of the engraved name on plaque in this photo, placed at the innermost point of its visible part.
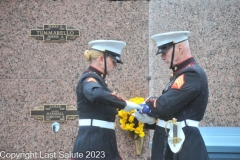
(54, 113)
(54, 33)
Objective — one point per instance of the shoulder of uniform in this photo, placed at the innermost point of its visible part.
(91, 79)
(89, 74)
(188, 69)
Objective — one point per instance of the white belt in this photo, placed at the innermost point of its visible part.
(189, 122)
(97, 123)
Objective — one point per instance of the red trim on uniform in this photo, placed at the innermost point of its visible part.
(96, 69)
(116, 96)
(191, 64)
(188, 65)
(91, 79)
(154, 103)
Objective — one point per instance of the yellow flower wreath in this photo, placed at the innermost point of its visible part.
(129, 122)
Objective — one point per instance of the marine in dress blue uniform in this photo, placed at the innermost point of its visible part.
(185, 98)
(97, 108)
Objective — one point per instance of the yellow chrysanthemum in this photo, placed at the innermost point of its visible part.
(120, 113)
(137, 130)
(125, 116)
(140, 124)
(131, 118)
(141, 134)
(131, 112)
(122, 121)
(128, 122)
(125, 113)
(131, 127)
(123, 126)
(128, 126)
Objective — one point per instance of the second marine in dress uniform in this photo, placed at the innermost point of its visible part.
(184, 100)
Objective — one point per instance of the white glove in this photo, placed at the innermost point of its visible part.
(131, 106)
(144, 118)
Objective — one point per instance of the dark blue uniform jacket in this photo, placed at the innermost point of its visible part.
(185, 97)
(96, 101)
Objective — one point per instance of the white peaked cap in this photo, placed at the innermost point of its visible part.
(166, 40)
(112, 47)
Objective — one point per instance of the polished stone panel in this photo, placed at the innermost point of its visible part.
(214, 42)
(33, 73)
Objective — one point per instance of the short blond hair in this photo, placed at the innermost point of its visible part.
(90, 55)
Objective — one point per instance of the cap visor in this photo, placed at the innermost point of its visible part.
(159, 51)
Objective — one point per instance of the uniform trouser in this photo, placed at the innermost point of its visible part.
(193, 147)
(95, 143)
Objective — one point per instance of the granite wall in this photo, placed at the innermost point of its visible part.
(34, 73)
(215, 44)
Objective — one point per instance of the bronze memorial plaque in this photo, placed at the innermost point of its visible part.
(54, 113)
(54, 33)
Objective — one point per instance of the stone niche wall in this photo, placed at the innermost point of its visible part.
(34, 73)
(214, 42)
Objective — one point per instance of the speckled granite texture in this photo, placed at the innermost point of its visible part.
(34, 73)
(215, 44)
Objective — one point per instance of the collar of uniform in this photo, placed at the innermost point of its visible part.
(182, 65)
(95, 70)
